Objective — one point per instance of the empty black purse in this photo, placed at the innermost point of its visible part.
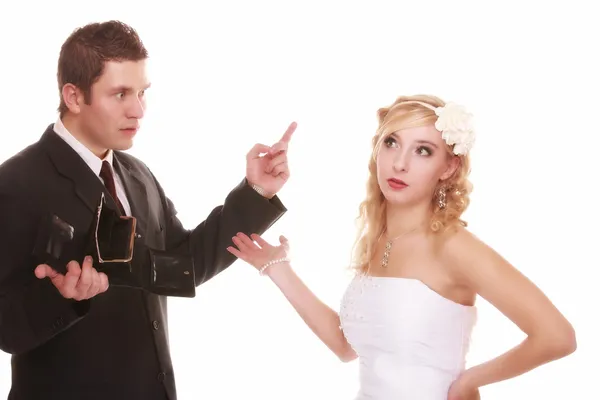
(54, 243)
(113, 246)
(110, 240)
(170, 274)
(111, 236)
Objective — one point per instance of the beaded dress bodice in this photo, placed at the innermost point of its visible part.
(411, 342)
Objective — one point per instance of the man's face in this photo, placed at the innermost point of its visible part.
(117, 105)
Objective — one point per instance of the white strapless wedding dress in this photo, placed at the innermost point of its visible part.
(411, 342)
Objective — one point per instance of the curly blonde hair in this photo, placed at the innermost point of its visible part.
(371, 222)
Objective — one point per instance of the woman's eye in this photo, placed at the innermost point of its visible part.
(424, 151)
(390, 142)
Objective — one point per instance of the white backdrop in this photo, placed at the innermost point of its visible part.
(229, 75)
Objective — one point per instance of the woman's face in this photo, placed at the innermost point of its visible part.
(410, 164)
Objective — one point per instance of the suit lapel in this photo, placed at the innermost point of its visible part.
(134, 188)
(68, 163)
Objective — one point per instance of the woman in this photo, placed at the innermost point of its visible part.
(409, 312)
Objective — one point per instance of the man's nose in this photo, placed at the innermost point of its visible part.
(136, 109)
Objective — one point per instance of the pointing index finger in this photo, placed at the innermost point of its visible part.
(288, 133)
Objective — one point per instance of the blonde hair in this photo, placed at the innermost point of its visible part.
(457, 188)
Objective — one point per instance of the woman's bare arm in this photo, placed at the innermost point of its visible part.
(549, 335)
(319, 317)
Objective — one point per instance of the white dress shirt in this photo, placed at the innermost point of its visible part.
(93, 161)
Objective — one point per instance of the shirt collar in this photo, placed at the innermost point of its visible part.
(93, 161)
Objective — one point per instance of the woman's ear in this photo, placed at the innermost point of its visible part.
(453, 164)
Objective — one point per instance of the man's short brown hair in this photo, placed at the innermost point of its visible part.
(82, 56)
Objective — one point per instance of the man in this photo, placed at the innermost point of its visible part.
(74, 336)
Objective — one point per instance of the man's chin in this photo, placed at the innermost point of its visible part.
(123, 145)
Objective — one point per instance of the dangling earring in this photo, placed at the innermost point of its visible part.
(442, 197)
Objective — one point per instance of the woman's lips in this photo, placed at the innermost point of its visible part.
(397, 184)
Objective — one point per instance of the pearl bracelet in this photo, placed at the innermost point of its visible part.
(273, 262)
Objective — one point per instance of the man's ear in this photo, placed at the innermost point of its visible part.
(73, 97)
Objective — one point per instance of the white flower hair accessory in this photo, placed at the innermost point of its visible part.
(455, 124)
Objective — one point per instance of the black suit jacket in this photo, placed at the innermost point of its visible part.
(115, 345)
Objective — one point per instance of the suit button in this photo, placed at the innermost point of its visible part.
(137, 235)
(161, 376)
(155, 324)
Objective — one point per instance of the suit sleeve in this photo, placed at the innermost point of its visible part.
(244, 210)
(32, 311)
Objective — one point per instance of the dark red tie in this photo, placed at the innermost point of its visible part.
(109, 181)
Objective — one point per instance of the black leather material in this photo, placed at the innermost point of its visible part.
(111, 243)
(111, 236)
(171, 274)
(54, 242)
